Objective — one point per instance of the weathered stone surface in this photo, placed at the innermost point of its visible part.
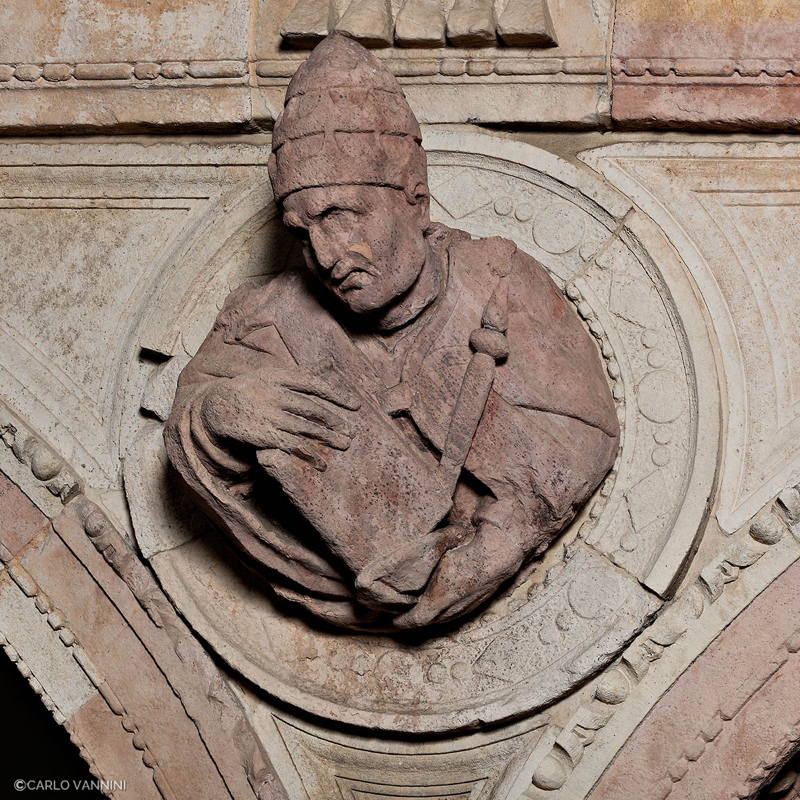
(61, 31)
(105, 651)
(738, 203)
(709, 64)
(116, 259)
(447, 682)
(690, 68)
(471, 23)
(308, 23)
(27, 519)
(366, 531)
(483, 185)
(495, 83)
(172, 67)
(76, 366)
(478, 766)
(368, 21)
(122, 671)
(729, 720)
(80, 64)
(527, 23)
(420, 23)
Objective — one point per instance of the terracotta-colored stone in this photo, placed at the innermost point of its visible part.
(735, 707)
(742, 107)
(465, 459)
(124, 108)
(128, 674)
(708, 64)
(21, 520)
(101, 734)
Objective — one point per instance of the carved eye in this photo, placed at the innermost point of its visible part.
(335, 212)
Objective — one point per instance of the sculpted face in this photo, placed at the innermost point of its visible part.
(366, 244)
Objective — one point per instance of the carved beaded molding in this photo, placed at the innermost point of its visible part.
(59, 479)
(743, 68)
(174, 72)
(135, 72)
(57, 622)
(780, 517)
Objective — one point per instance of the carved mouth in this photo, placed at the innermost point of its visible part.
(356, 279)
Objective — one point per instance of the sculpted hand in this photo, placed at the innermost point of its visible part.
(281, 409)
(471, 572)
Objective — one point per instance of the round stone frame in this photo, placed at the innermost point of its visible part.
(609, 573)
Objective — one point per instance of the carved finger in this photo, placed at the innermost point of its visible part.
(443, 602)
(340, 395)
(304, 406)
(300, 426)
(444, 590)
(466, 576)
(295, 446)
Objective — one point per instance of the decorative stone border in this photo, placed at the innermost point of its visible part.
(123, 71)
(60, 480)
(706, 67)
(14, 657)
(453, 66)
(595, 328)
(56, 620)
(781, 516)
(134, 72)
(726, 713)
(48, 467)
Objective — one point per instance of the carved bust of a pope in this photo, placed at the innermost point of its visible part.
(396, 431)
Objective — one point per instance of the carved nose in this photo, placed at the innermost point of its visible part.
(362, 248)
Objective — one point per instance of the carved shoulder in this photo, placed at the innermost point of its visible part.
(482, 258)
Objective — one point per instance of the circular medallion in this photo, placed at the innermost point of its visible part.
(595, 588)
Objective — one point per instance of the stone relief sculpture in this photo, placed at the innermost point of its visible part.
(399, 435)
(399, 430)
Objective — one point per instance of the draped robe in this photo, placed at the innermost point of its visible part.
(547, 436)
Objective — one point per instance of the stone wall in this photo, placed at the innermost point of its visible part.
(646, 155)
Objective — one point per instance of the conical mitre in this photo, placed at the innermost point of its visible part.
(345, 121)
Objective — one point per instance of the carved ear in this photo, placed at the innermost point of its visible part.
(419, 193)
(420, 197)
